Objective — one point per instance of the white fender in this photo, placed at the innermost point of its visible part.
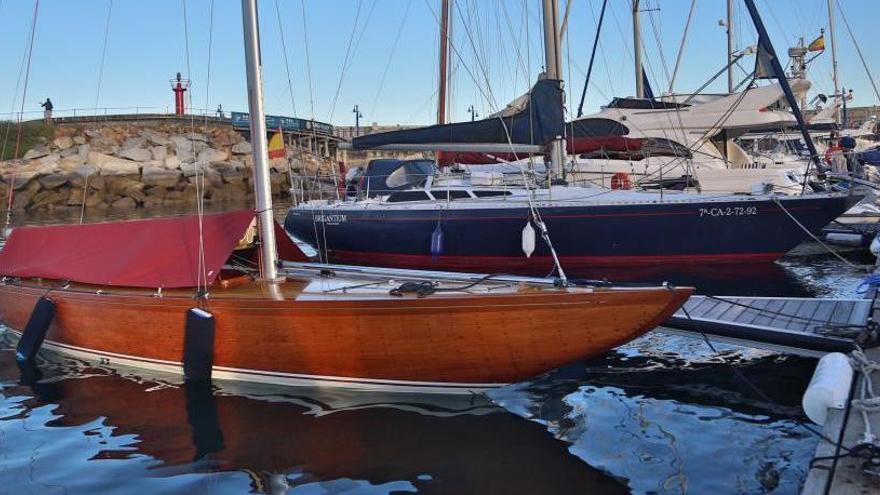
(528, 239)
(829, 387)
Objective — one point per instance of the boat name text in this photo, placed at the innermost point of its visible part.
(331, 219)
(729, 211)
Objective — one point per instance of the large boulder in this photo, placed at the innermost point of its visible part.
(171, 162)
(47, 164)
(84, 173)
(72, 151)
(22, 178)
(46, 198)
(136, 154)
(54, 181)
(37, 151)
(23, 196)
(121, 185)
(97, 159)
(222, 167)
(76, 197)
(134, 142)
(212, 155)
(185, 143)
(180, 143)
(123, 203)
(154, 175)
(185, 156)
(63, 142)
(159, 152)
(96, 198)
(156, 138)
(242, 148)
(71, 163)
(120, 168)
(225, 138)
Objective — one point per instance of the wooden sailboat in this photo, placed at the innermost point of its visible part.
(171, 294)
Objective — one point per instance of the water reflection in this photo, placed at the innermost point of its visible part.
(133, 434)
(664, 423)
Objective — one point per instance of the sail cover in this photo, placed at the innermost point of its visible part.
(156, 252)
(536, 121)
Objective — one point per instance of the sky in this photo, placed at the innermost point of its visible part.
(382, 54)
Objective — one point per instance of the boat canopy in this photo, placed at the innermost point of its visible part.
(535, 119)
(154, 253)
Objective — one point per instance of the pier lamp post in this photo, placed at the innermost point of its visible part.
(473, 111)
(357, 120)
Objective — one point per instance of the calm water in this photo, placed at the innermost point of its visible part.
(660, 415)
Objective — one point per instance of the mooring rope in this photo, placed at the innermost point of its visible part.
(828, 248)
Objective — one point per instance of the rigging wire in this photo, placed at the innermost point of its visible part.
(681, 46)
(400, 27)
(858, 50)
(286, 58)
(580, 111)
(18, 81)
(302, 4)
(30, 51)
(103, 53)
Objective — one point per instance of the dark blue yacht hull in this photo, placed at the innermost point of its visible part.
(602, 235)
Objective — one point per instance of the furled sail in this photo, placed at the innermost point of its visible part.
(536, 118)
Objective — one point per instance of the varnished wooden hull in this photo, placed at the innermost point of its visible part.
(434, 343)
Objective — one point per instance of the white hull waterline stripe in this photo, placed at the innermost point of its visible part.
(269, 377)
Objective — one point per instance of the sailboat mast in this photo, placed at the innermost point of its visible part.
(444, 51)
(637, 49)
(262, 189)
(730, 82)
(833, 56)
(553, 69)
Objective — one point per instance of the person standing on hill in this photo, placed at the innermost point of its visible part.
(47, 110)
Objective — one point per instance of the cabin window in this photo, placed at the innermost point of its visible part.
(446, 195)
(491, 194)
(404, 196)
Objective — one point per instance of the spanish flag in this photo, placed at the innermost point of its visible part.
(818, 44)
(276, 146)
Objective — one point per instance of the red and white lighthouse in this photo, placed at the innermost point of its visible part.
(179, 86)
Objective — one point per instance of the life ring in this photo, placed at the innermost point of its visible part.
(621, 180)
(829, 153)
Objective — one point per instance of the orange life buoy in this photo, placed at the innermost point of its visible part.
(829, 153)
(621, 180)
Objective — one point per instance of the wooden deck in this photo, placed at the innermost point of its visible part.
(811, 326)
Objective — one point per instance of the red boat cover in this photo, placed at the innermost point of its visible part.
(156, 252)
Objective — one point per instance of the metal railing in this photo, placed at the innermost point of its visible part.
(108, 113)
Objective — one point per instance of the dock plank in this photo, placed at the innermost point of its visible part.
(842, 314)
(823, 314)
(768, 313)
(790, 318)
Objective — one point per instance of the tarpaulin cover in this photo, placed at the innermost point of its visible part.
(156, 252)
(541, 120)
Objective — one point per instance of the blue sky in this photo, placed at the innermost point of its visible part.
(382, 54)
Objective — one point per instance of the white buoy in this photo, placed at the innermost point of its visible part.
(829, 387)
(528, 239)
